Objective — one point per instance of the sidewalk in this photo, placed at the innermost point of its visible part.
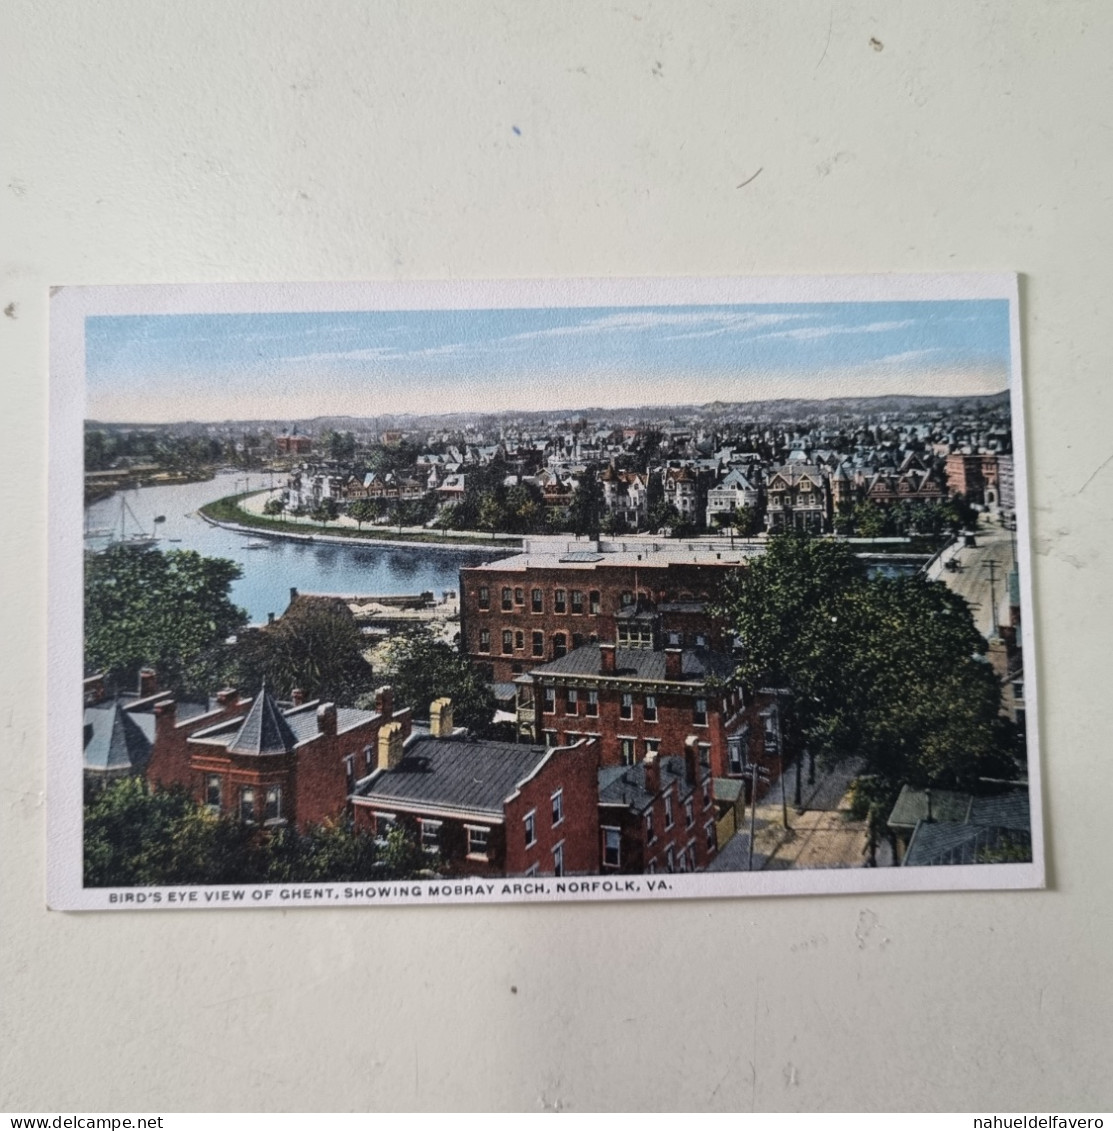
(821, 836)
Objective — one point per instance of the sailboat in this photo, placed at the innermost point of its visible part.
(137, 538)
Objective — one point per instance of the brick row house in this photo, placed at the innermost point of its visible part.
(488, 808)
(271, 764)
(558, 596)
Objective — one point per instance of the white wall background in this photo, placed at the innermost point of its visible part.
(158, 141)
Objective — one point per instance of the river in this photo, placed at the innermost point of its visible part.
(270, 572)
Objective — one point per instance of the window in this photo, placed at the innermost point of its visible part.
(519, 596)
(538, 640)
(560, 604)
(591, 708)
(652, 745)
(626, 746)
(350, 769)
(593, 601)
(478, 836)
(651, 708)
(533, 870)
(558, 860)
(627, 598)
(214, 791)
(560, 645)
(577, 639)
(676, 639)
(571, 701)
(651, 868)
(484, 597)
(530, 828)
(577, 601)
(272, 804)
(701, 640)
(507, 641)
(626, 709)
(650, 831)
(709, 829)
(734, 754)
(519, 640)
(670, 860)
(689, 814)
(368, 757)
(484, 640)
(699, 713)
(612, 848)
(704, 753)
(536, 600)
(550, 737)
(247, 805)
(430, 836)
(558, 807)
(507, 601)
(384, 822)
(550, 700)
(668, 814)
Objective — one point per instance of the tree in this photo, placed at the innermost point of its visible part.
(315, 646)
(325, 511)
(887, 669)
(423, 668)
(273, 507)
(586, 508)
(364, 510)
(167, 610)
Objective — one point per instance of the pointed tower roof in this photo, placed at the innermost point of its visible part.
(114, 740)
(264, 730)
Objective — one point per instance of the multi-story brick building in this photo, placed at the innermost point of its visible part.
(973, 475)
(657, 816)
(560, 595)
(270, 764)
(797, 498)
(638, 703)
(488, 808)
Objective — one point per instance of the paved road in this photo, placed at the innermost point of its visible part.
(972, 580)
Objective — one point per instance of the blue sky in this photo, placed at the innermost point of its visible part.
(298, 365)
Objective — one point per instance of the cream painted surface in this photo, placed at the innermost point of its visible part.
(166, 142)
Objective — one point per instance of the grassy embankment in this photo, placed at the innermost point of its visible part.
(229, 510)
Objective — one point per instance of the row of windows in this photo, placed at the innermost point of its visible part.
(572, 699)
(476, 836)
(564, 600)
(515, 641)
(248, 799)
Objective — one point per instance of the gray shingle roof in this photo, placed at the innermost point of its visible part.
(115, 739)
(625, 785)
(264, 730)
(640, 663)
(470, 777)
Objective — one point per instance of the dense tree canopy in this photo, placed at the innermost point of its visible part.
(137, 837)
(424, 668)
(316, 646)
(886, 669)
(144, 607)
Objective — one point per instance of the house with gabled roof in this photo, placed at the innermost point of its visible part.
(271, 763)
(485, 808)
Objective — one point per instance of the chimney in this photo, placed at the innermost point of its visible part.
(297, 696)
(165, 716)
(652, 773)
(691, 759)
(673, 662)
(293, 593)
(226, 697)
(390, 746)
(326, 718)
(148, 682)
(440, 718)
(270, 618)
(606, 659)
(384, 701)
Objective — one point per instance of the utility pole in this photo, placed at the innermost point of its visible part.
(991, 565)
(753, 812)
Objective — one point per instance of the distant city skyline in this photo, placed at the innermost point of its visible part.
(163, 368)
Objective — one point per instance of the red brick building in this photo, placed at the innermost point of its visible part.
(559, 596)
(489, 808)
(657, 816)
(268, 764)
(974, 476)
(291, 444)
(638, 703)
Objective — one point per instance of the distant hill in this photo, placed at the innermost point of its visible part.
(791, 409)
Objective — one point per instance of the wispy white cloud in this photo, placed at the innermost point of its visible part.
(697, 323)
(809, 333)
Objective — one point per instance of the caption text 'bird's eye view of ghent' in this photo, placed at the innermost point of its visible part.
(551, 593)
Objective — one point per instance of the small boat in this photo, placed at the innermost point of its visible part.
(257, 546)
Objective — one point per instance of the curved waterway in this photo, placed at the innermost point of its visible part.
(270, 570)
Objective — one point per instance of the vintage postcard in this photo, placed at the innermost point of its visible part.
(425, 593)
